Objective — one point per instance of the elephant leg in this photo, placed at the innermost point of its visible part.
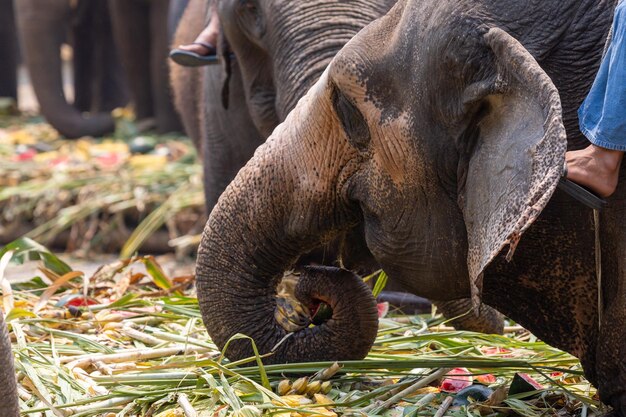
(42, 27)
(131, 28)
(99, 82)
(611, 350)
(549, 285)
(185, 81)
(84, 47)
(8, 50)
(166, 117)
(111, 86)
(9, 406)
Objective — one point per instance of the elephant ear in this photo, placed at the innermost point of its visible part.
(517, 155)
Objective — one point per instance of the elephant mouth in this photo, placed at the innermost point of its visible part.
(293, 315)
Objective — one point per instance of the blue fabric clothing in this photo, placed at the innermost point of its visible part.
(602, 116)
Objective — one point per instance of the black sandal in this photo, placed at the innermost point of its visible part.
(580, 193)
(193, 59)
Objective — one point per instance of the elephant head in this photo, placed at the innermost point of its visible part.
(443, 168)
(283, 47)
(437, 130)
(9, 406)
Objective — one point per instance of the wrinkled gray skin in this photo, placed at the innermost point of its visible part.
(142, 37)
(8, 387)
(282, 48)
(8, 51)
(98, 80)
(226, 138)
(445, 141)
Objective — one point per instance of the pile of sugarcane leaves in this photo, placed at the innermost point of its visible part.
(98, 194)
(129, 341)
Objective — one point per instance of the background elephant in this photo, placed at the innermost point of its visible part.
(282, 48)
(8, 51)
(98, 81)
(9, 406)
(142, 36)
(225, 137)
(445, 142)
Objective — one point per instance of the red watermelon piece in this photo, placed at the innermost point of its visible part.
(456, 380)
(383, 309)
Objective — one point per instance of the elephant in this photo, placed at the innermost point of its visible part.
(271, 71)
(225, 137)
(142, 37)
(9, 406)
(8, 51)
(441, 130)
(98, 80)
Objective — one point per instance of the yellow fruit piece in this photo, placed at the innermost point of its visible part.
(45, 156)
(123, 113)
(22, 137)
(96, 149)
(83, 146)
(326, 387)
(148, 162)
(322, 399)
(425, 390)
(314, 387)
(283, 387)
(299, 385)
(176, 412)
(293, 400)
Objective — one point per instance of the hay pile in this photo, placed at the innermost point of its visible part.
(124, 192)
(129, 341)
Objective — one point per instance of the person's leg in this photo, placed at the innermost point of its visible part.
(603, 118)
(595, 168)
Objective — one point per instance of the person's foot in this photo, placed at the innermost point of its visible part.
(202, 51)
(594, 168)
(198, 48)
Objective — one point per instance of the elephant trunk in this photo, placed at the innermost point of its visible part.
(277, 208)
(302, 58)
(9, 406)
(42, 33)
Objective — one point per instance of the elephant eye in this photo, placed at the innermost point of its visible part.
(251, 18)
(248, 5)
(351, 119)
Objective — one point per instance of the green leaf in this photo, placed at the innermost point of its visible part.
(264, 380)
(33, 285)
(381, 281)
(17, 313)
(27, 249)
(122, 302)
(156, 272)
